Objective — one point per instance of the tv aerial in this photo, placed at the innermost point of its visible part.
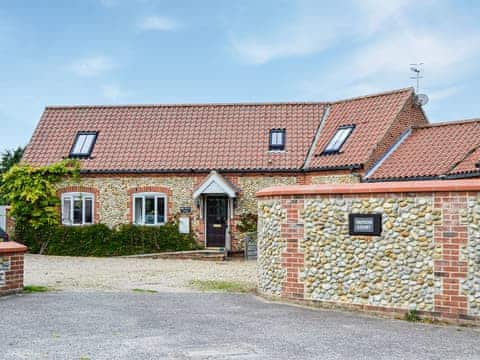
(417, 70)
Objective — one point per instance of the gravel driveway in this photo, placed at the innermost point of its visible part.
(128, 325)
(125, 274)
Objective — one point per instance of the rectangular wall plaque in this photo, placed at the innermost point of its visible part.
(185, 210)
(365, 224)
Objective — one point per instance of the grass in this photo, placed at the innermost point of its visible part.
(412, 316)
(145, 291)
(30, 289)
(222, 286)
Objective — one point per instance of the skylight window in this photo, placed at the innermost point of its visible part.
(83, 144)
(277, 139)
(342, 134)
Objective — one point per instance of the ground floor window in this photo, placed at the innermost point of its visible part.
(149, 209)
(77, 208)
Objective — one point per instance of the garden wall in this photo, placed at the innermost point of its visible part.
(11, 267)
(427, 256)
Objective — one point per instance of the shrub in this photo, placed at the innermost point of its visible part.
(248, 223)
(100, 240)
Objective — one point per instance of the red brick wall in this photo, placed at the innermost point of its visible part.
(451, 236)
(12, 254)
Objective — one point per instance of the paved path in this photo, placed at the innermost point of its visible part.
(124, 274)
(65, 325)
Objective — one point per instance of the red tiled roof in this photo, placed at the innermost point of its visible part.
(372, 117)
(434, 150)
(220, 136)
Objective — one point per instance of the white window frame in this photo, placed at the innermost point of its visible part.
(339, 139)
(143, 196)
(75, 195)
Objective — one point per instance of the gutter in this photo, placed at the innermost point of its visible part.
(246, 171)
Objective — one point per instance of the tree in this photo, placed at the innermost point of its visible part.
(10, 158)
(31, 192)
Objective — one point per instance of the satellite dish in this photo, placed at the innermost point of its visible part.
(421, 99)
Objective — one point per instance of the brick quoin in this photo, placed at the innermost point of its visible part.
(12, 253)
(451, 236)
(292, 258)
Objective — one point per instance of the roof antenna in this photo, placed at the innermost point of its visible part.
(417, 69)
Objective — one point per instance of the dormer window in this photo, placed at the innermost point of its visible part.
(83, 145)
(340, 137)
(277, 140)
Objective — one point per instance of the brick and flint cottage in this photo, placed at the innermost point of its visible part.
(145, 164)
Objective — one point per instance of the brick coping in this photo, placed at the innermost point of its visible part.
(12, 247)
(371, 188)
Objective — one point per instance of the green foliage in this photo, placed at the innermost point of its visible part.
(100, 240)
(31, 192)
(248, 223)
(8, 159)
(29, 289)
(412, 315)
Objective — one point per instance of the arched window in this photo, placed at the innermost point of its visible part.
(149, 208)
(77, 208)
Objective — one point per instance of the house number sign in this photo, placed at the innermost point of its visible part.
(185, 210)
(365, 224)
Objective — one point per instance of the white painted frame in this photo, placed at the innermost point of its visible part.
(143, 196)
(83, 196)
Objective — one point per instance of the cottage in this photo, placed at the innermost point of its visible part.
(144, 164)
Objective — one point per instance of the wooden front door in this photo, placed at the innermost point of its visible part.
(216, 221)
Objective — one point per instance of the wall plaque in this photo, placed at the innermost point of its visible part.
(185, 210)
(365, 224)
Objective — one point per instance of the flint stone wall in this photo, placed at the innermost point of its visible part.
(427, 257)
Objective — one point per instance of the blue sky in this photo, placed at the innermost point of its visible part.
(145, 51)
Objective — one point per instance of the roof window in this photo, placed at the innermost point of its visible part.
(83, 145)
(340, 137)
(277, 140)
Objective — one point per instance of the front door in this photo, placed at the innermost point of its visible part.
(216, 221)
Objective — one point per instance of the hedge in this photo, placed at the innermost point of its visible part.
(100, 240)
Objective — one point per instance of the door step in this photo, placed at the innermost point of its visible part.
(205, 255)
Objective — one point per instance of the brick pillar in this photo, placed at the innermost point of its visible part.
(11, 267)
(292, 258)
(451, 236)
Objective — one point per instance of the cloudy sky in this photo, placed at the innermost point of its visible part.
(146, 51)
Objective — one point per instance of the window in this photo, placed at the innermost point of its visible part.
(342, 134)
(149, 209)
(77, 208)
(277, 139)
(83, 145)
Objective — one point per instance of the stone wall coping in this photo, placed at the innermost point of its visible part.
(12, 247)
(370, 188)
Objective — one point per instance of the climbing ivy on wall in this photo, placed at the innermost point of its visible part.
(31, 192)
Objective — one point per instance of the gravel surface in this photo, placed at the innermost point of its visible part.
(98, 325)
(125, 274)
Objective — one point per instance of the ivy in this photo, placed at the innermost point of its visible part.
(31, 192)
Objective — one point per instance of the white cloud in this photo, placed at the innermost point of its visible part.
(443, 93)
(92, 66)
(157, 23)
(299, 38)
(112, 92)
